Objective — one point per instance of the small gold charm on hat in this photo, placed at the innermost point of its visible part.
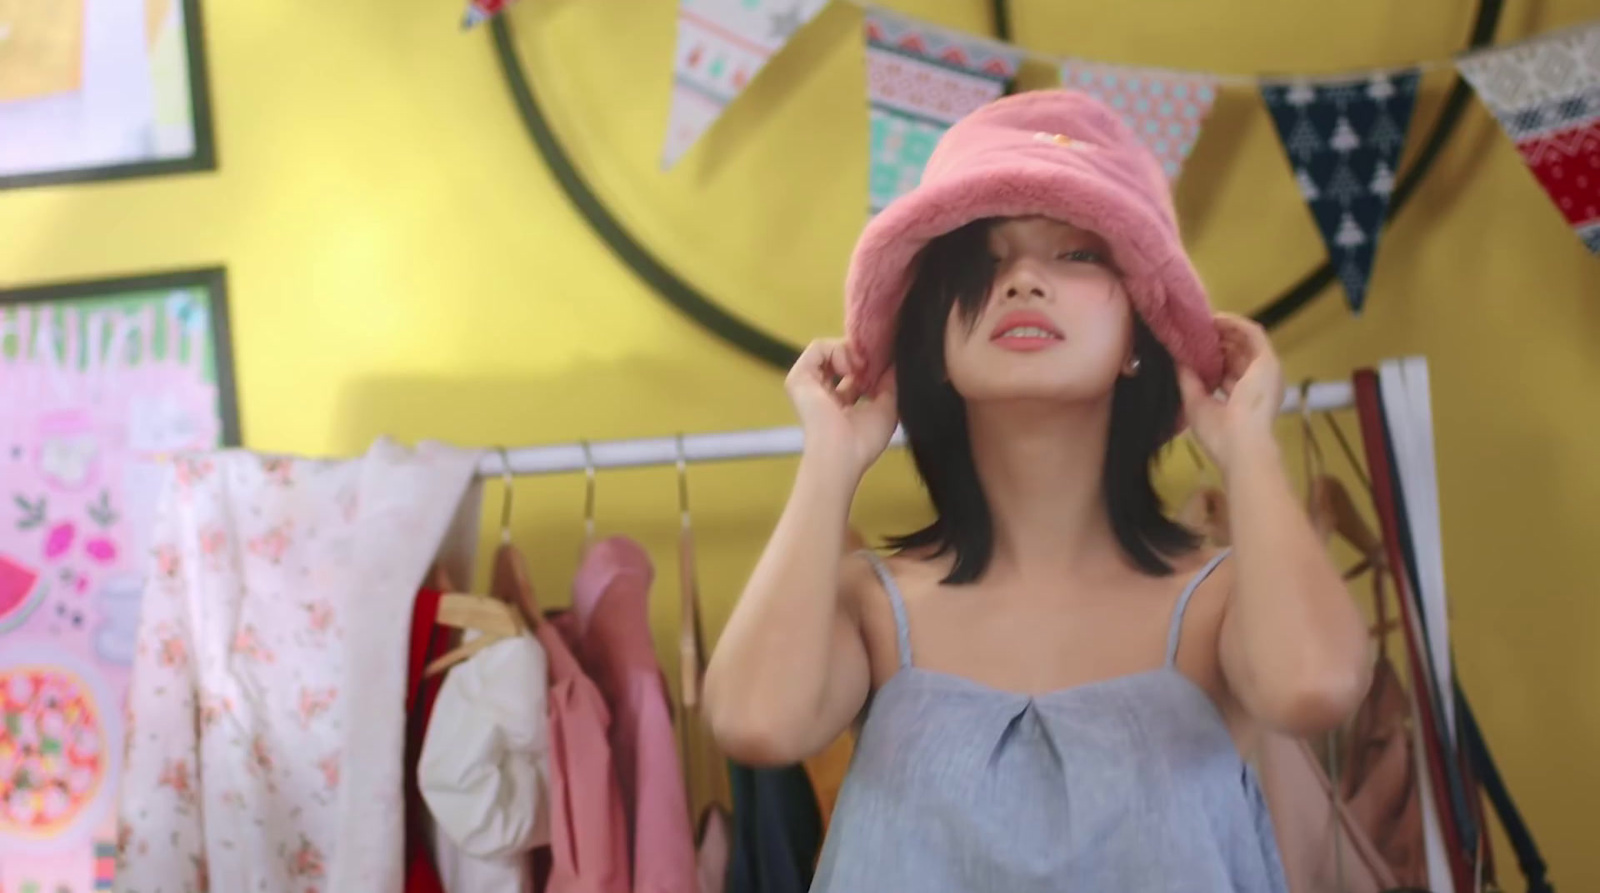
(1059, 139)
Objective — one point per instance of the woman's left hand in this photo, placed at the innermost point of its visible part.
(1239, 418)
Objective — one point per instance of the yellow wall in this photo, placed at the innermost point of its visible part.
(400, 262)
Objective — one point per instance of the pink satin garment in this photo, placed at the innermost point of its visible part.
(588, 829)
(610, 626)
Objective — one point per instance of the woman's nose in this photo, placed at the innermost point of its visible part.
(1019, 282)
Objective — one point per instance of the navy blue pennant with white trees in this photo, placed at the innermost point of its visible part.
(1344, 139)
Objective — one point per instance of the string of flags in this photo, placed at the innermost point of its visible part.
(920, 80)
(480, 11)
(1342, 136)
(1343, 139)
(1165, 108)
(1546, 95)
(722, 46)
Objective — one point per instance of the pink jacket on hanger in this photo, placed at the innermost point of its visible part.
(588, 832)
(610, 624)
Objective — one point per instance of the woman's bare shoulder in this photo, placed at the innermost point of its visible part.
(1218, 558)
(918, 570)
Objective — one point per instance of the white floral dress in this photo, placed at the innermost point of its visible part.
(266, 714)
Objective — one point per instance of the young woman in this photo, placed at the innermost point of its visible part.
(1053, 682)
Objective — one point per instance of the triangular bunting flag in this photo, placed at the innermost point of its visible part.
(1165, 108)
(722, 45)
(920, 80)
(1343, 139)
(480, 11)
(1546, 94)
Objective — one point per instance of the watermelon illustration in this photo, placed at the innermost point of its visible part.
(18, 593)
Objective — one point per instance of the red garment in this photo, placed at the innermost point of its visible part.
(1370, 407)
(609, 626)
(428, 641)
(588, 829)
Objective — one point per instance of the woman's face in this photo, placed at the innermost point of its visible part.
(1056, 324)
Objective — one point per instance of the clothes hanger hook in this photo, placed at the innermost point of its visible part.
(1314, 462)
(588, 492)
(683, 483)
(507, 491)
(1349, 452)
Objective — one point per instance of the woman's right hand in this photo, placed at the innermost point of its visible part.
(841, 422)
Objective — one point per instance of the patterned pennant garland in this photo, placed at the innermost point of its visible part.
(1344, 139)
(480, 11)
(1546, 94)
(1165, 108)
(722, 45)
(920, 80)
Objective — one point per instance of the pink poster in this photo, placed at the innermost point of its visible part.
(97, 383)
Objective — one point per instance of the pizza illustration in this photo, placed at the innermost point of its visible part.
(53, 750)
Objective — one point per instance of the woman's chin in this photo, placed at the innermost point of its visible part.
(1038, 386)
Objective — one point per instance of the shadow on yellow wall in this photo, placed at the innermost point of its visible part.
(401, 263)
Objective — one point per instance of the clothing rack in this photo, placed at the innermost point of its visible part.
(761, 443)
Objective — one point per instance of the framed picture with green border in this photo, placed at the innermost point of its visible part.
(102, 90)
(100, 383)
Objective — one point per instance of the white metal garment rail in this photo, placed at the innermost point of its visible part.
(757, 444)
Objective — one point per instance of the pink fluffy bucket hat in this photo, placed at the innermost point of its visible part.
(1051, 153)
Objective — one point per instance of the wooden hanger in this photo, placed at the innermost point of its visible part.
(510, 584)
(508, 580)
(493, 619)
(509, 610)
(1206, 509)
(1328, 501)
(691, 653)
(691, 647)
(588, 498)
(696, 749)
(1333, 512)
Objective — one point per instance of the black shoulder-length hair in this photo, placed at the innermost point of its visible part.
(957, 270)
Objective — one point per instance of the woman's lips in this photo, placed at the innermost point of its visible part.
(1026, 330)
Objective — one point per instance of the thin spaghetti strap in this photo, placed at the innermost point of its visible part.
(1176, 629)
(902, 629)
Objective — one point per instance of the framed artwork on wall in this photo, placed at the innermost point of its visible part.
(99, 382)
(102, 90)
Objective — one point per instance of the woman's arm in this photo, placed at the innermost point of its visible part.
(1292, 645)
(791, 671)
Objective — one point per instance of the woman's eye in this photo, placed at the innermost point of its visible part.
(1083, 256)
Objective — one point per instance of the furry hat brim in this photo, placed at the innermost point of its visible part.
(1023, 177)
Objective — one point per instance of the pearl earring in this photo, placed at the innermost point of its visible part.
(1133, 365)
